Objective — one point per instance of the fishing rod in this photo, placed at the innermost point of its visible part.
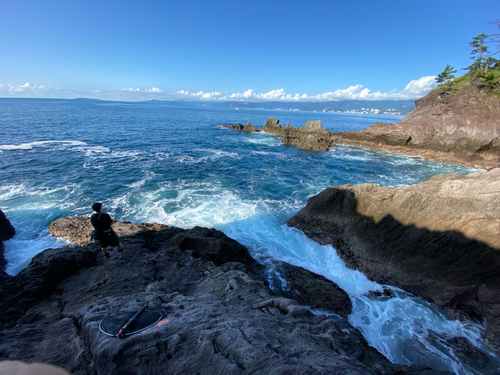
(121, 332)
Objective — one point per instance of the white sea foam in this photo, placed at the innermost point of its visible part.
(19, 252)
(408, 330)
(266, 141)
(213, 154)
(124, 154)
(31, 145)
(185, 205)
(93, 150)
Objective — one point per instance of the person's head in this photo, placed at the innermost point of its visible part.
(97, 206)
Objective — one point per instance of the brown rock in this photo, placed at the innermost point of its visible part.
(461, 128)
(249, 128)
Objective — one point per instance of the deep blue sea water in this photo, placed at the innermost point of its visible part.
(173, 164)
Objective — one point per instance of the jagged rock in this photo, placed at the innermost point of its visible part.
(314, 290)
(249, 128)
(438, 239)
(219, 315)
(312, 126)
(77, 229)
(272, 125)
(7, 231)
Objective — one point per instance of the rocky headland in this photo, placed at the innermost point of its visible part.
(460, 127)
(222, 311)
(439, 239)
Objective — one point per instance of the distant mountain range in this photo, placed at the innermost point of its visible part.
(387, 107)
(382, 107)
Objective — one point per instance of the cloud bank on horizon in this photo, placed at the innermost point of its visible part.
(413, 90)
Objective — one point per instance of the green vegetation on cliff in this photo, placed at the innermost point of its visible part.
(484, 72)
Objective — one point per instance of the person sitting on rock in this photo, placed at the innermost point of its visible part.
(104, 234)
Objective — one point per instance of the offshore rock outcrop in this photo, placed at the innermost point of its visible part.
(438, 239)
(311, 136)
(249, 128)
(219, 314)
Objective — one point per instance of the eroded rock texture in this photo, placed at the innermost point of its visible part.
(462, 127)
(219, 314)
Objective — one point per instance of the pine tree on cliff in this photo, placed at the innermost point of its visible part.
(446, 76)
(478, 53)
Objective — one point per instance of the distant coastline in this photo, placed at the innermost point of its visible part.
(361, 107)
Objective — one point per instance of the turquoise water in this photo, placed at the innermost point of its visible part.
(158, 162)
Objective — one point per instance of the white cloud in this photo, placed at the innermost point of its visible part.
(413, 90)
(21, 89)
(200, 95)
(155, 89)
(420, 87)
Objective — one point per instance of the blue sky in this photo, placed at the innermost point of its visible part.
(245, 50)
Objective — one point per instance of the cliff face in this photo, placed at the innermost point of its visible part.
(438, 239)
(458, 126)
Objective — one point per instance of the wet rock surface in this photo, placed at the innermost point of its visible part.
(219, 313)
(438, 239)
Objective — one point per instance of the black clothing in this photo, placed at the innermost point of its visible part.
(107, 236)
(101, 222)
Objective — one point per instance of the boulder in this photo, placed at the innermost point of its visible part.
(219, 313)
(438, 239)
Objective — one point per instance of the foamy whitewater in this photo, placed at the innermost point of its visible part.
(174, 164)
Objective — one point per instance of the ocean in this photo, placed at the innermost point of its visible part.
(175, 164)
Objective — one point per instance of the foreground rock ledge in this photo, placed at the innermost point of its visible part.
(220, 314)
(439, 239)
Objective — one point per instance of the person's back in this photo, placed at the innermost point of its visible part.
(101, 222)
(105, 235)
